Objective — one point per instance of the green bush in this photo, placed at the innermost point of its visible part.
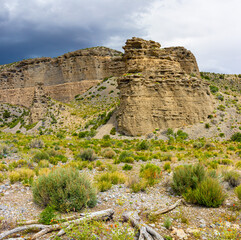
(47, 216)
(213, 89)
(126, 154)
(88, 155)
(137, 184)
(187, 177)
(40, 156)
(143, 145)
(127, 167)
(167, 166)
(238, 192)
(113, 131)
(64, 189)
(108, 153)
(208, 193)
(232, 177)
(236, 137)
(151, 173)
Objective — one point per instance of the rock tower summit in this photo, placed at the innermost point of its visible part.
(161, 89)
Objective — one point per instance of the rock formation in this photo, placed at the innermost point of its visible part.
(62, 77)
(161, 89)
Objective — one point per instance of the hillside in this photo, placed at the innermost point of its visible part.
(62, 162)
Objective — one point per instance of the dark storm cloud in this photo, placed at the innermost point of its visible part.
(35, 28)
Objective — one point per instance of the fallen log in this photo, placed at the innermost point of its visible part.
(145, 232)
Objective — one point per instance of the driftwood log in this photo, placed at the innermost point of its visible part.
(145, 232)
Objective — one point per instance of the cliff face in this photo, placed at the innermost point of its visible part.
(62, 78)
(162, 89)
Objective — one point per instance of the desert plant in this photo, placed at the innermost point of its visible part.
(40, 156)
(136, 184)
(236, 137)
(36, 143)
(167, 166)
(167, 223)
(88, 155)
(65, 189)
(108, 153)
(187, 177)
(232, 177)
(208, 193)
(127, 167)
(22, 174)
(126, 154)
(238, 192)
(151, 173)
(47, 216)
(143, 145)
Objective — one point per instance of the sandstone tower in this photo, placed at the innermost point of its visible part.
(161, 89)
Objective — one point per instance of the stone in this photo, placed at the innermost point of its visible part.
(180, 233)
(161, 89)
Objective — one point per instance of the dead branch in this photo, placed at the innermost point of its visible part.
(23, 228)
(170, 208)
(146, 232)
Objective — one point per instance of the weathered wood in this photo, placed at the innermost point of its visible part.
(168, 209)
(146, 232)
(22, 228)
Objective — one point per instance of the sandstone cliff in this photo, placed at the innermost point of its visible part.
(62, 77)
(162, 89)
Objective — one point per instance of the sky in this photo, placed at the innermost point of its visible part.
(209, 28)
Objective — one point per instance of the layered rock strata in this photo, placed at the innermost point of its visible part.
(161, 89)
(62, 77)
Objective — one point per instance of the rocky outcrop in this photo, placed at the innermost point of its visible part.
(62, 77)
(161, 89)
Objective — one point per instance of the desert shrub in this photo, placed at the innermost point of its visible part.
(22, 174)
(238, 192)
(220, 97)
(207, 125)
(127, 167)
(143, 145)
(43, 171)
(238, 164)
(165, 157)
(124, 155)
(88, 155)
(43, 164)
(236, 137)
(113, 131)
(105, 180)
(221, 107)
(40, 156)
(136, 184)
(108, 153)
(213, 89)
(36, 143)
(47, 216)
(232, 177)
(198, 145)
(226, 161)
(106, 137)
(167, 166)
(3, 167)
(151, 173)
(167, 223)
(65, 189)
(2, 177)
(208, 193)
(181, 135)
(187, 177)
